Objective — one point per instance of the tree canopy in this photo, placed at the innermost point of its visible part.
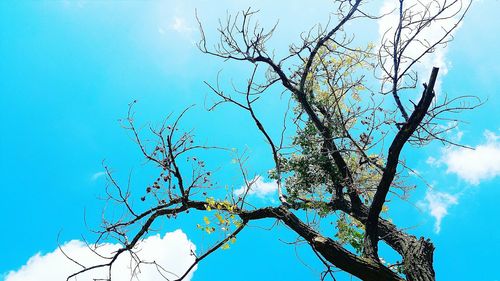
(352, 109)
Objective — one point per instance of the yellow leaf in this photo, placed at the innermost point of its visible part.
(206, 220)
(385, 208)
(219, 217)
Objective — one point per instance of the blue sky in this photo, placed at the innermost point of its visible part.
(69, 69)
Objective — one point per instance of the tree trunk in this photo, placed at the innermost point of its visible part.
(417, 253)
(418, 260)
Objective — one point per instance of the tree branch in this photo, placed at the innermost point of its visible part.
(404, 133)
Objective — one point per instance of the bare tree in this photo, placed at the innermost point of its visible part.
(351, 114)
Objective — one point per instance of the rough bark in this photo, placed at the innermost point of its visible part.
(418, 259)
(417, 253)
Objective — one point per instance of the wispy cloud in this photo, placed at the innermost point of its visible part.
(437, 205)
(172, 252)
(97, 175)
(180, 25)
(258, 187)
(473, 165)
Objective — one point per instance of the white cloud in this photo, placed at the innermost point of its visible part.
(97, 175)
(437, 205)
(432, 161)
(473, 166)
(172, 252)
(258, 187)
(180, 25)
(430, 34)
